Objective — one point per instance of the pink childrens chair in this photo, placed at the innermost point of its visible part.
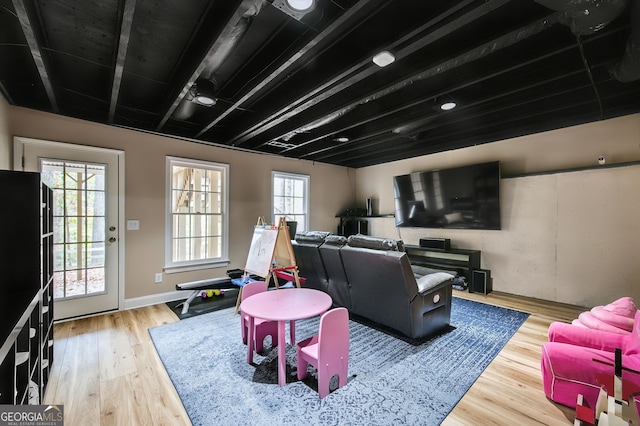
(576, 356)
(328, 351)
(262, 328)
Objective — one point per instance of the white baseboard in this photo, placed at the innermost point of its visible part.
(155, 299)
(138, 302)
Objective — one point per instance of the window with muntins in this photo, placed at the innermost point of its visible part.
(291, 199)
(197, 217)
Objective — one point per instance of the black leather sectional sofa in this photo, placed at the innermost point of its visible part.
(373, 278)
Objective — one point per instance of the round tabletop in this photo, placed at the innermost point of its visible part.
(286, 304)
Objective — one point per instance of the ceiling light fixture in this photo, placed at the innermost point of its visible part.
(383, 58)
(204, 93)
(341, 139)
(301, 5)
(297, 9)
(447, 106)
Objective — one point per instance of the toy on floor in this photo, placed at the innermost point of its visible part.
(616, 405)
(210, 293)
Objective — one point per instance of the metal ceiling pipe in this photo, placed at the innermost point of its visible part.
(628, 68)
(586, 16)
(187, 108)
(318, 123)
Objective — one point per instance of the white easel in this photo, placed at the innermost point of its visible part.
(271, 254)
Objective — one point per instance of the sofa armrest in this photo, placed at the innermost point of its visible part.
(575, 335)
(428, 282)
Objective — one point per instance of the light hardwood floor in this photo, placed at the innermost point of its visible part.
(106, 371)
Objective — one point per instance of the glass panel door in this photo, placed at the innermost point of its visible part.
(86, 186)
(79, 223)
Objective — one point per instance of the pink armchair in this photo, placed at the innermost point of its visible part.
(568, 366)
(616, 317)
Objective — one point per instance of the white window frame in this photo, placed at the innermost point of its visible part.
(305, 180)
(172, 266)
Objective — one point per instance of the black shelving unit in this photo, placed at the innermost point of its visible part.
(46, 294)
(354, 224)
(25, 322)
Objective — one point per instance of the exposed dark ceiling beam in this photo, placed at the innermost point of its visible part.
(289, 63)
(425, 124)
(126, 14)
(375, 139)
(493, 131)
(226, 32)
(133, 63)
(471, 55)
(36, 53)
(368, 69)
(456, 131)
(416, 124)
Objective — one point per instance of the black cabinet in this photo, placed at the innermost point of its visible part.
(353, 226)
(26, 287)
(461, 260)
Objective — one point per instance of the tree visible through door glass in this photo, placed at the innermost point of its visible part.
(79, 226)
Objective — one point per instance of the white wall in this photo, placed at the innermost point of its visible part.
(332, 189)
(545, 250)
(568, 237)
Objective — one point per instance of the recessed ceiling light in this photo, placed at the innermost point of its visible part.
(341, 139)
(205, 100)
(300, 5)
(297, 9)
(383, 58)
(448, 106)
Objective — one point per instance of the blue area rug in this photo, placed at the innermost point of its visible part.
(390, 382)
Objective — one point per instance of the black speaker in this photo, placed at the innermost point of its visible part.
(362, 227)
(436, 243)
(481, 281)
(351, 227)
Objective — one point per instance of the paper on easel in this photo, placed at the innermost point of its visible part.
(260, 257)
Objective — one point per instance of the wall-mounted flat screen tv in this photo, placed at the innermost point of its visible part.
(466, 197)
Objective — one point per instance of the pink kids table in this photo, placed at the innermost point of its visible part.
(283, 305)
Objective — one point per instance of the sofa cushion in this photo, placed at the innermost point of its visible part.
(375, 243)
(312, 236)
(336, 240)
(428, 282)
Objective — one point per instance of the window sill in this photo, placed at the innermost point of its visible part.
(174, 269)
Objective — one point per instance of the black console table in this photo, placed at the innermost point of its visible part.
(461, 260)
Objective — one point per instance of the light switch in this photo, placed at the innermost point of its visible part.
(133, 225)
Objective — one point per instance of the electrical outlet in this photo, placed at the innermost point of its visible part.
(158, 277)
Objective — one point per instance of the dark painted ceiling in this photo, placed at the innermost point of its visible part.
(292, 85)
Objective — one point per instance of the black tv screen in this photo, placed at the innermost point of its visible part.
(466, 197)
